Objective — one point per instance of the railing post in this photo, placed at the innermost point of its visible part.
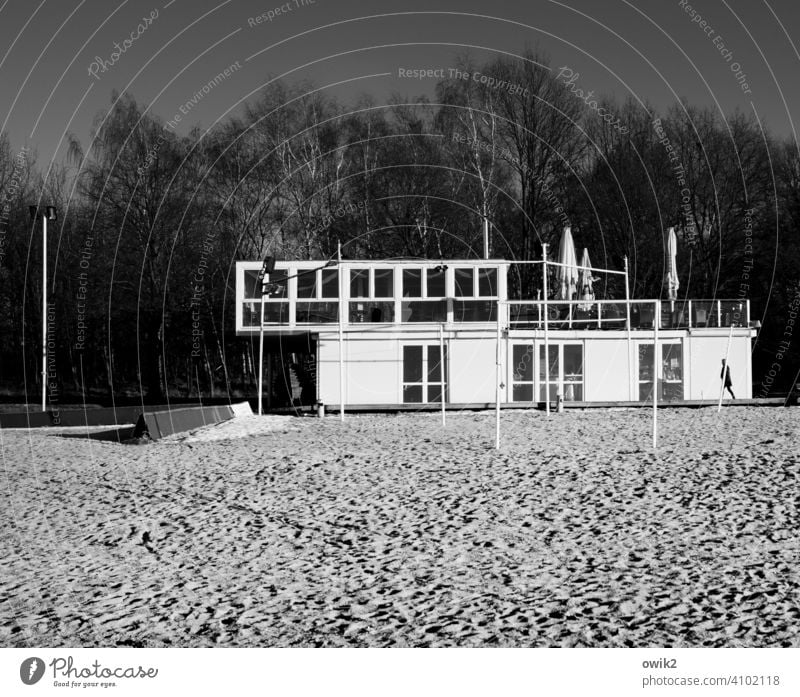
(690, 314)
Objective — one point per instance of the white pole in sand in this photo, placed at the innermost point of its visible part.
(44, 313)
(442, 371)
(630, 341)
(342, 308)
(655, 374)
(725, 370)
(546, 335)
(498, 379)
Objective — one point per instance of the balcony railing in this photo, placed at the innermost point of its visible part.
(614, 314)
(608, 315)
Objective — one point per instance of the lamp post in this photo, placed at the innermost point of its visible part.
(48, 214)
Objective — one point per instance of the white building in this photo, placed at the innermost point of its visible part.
(396, 315)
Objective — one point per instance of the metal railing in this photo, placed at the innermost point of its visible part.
(614, 314)
(516, 314)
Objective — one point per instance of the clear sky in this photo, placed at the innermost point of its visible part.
(58, 66)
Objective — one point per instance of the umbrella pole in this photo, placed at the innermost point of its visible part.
(546, 335)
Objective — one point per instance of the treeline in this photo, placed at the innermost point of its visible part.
(150, 223)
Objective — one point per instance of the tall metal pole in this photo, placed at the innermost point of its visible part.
(342, 309)
(261, 348)
(485, 237)
(498, 380)
(725, 370)
(655, 373)
(546, 334)
(442, 371)
(44, 312)
(630, 338)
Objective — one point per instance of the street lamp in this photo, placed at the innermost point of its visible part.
(49, 213)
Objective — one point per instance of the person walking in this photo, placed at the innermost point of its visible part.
(725, 374)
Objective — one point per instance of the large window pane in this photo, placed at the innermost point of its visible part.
(384, 283)
(412, 364)
(317, 313)
(672, 363)
(474, 311)
(424, 311)
(330, 283)
(434, 394)
(463, 283)
(359, 283)
(434, 365)
(436, 283)
(275, 313)
(522, 393)
(646, 362)
(573, 362)
(553, 362)
(278, 285)
(671, 386)
(523, 363)
(307, 284)
(487, 282)
(250, 285)
(412, 394)
(412, 283)
(371, 311)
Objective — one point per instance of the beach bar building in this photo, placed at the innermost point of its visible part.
(393, 334)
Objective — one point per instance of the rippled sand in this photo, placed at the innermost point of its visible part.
(392, 531)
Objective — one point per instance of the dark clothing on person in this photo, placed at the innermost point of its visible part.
(726, 372)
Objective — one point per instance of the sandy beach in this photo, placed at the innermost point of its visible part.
(395, 531)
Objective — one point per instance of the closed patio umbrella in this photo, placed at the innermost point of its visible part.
(586, 275)
(568, 273)
(672, 270)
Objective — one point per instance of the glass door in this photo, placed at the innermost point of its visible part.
(424, 374)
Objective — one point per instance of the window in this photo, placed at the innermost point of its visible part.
(330, 283)
(670, 372)
(522, 377)
(384, 283)
(423, 284)
(487, 283)
(424, 376)
(412, 283)
(306, 284)
(573, 373)
(359, 283)
(474, 311)
(564, 372)
(553, 373)
(365, 286)
(464, 282)
(251, 289)
(436, 283)
(475, 283)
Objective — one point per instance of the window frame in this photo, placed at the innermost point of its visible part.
(444, 369)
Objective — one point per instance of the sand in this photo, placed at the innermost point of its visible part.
(394, 531)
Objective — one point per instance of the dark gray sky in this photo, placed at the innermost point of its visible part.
(648, 48)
